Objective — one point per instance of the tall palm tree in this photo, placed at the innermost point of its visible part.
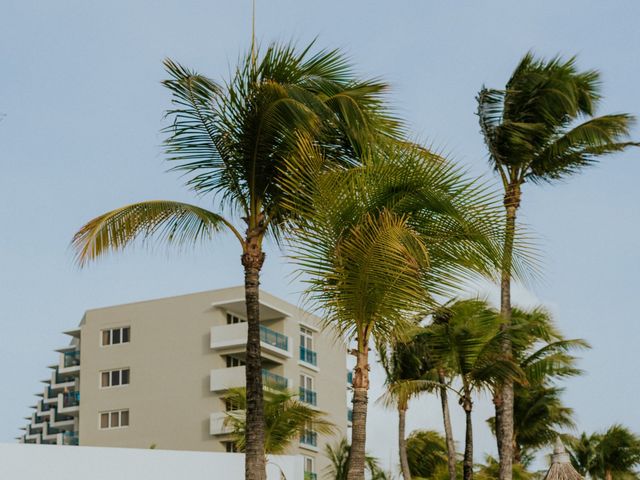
(540, 128)
(614, 454)
(427, 453)
(465, 336)
(285, 417)
(338, 456)
(232, 140)
(373, 240)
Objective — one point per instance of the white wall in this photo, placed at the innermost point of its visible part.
(53, 462)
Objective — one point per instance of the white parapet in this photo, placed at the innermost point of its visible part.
(96, 463)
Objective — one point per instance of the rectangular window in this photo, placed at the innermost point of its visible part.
(234, 362)
(115, 336)
(230, 447)
(306, 338)
(114, 378)
(114, 419)
(230, 405)
(309, 467)
(231, 319)
(306, 382)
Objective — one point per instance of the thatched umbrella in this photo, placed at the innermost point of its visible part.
(561, 468)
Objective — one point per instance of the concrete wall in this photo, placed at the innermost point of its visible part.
(53, 462)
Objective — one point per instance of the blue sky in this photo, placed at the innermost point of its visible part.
(82, 109)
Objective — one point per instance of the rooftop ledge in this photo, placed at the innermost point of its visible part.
(238, 306)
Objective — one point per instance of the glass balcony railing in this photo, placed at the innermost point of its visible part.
(70, 438)
(350, 414)
(274, 338)
(271, 379)
(309, 437)
(349, 378)
(72, 359)
(71, 399)
(308, 356)
(308, 396)
(310, 476)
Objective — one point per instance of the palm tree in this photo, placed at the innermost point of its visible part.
(232, 139)
(540, 128)
(402, 364)
(614, 454)
(544, 355)
(285, 419)
(375, 242)
(465, 336)
(338, 456)
(426, 452)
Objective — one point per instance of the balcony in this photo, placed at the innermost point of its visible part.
(217, 424)
(308, 396)
(233, 339)
(69, 403)
(71, 359)
(309, 438)
(308, 356)
(349, 378)
(70, 438)
(226, 378)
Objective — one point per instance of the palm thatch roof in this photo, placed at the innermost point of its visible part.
(561, 467)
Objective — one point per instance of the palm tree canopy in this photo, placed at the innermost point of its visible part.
(426, 452)
(465, 338)
(542, 125)
(378, 241)
(231, 140)
(285, 418)
(338, 456)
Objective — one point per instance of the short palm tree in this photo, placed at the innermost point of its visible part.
(338, 456)
(614, 454)
(372, 242)
(465, 336)
(426, 453)
(402, 364)
(232, 139)
(286, 419)
(541, 127)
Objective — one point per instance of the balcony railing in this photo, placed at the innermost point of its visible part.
(46, 407)
(308, 356)
(71, 399)
(274, 338)
(350, 414)
(274, 380)
(70, 438)
(310, 476)
(349, 378)
(309, 437)
(308, 396)
(72, 359)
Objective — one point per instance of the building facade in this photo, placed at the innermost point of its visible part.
(155, 374)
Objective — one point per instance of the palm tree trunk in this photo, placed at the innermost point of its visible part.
(608, 475)
(359, 424)
(255, 461)
(402, 443)
(467, 464)
(448, 430)
(504, 407)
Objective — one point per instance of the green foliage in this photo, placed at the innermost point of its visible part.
(285, 419)
(426, 452)
(338, 456)
(489, 471)
(614, 453)
(531, 127)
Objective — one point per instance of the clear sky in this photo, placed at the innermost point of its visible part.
(82, 107)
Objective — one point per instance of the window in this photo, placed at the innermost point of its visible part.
(230, 447)
(306, 338)
(309, 466)
(231, 405)
(114, 419)
(234, 362)
(115, 336)
(231, 319)
(114, 378)
(307, 395)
